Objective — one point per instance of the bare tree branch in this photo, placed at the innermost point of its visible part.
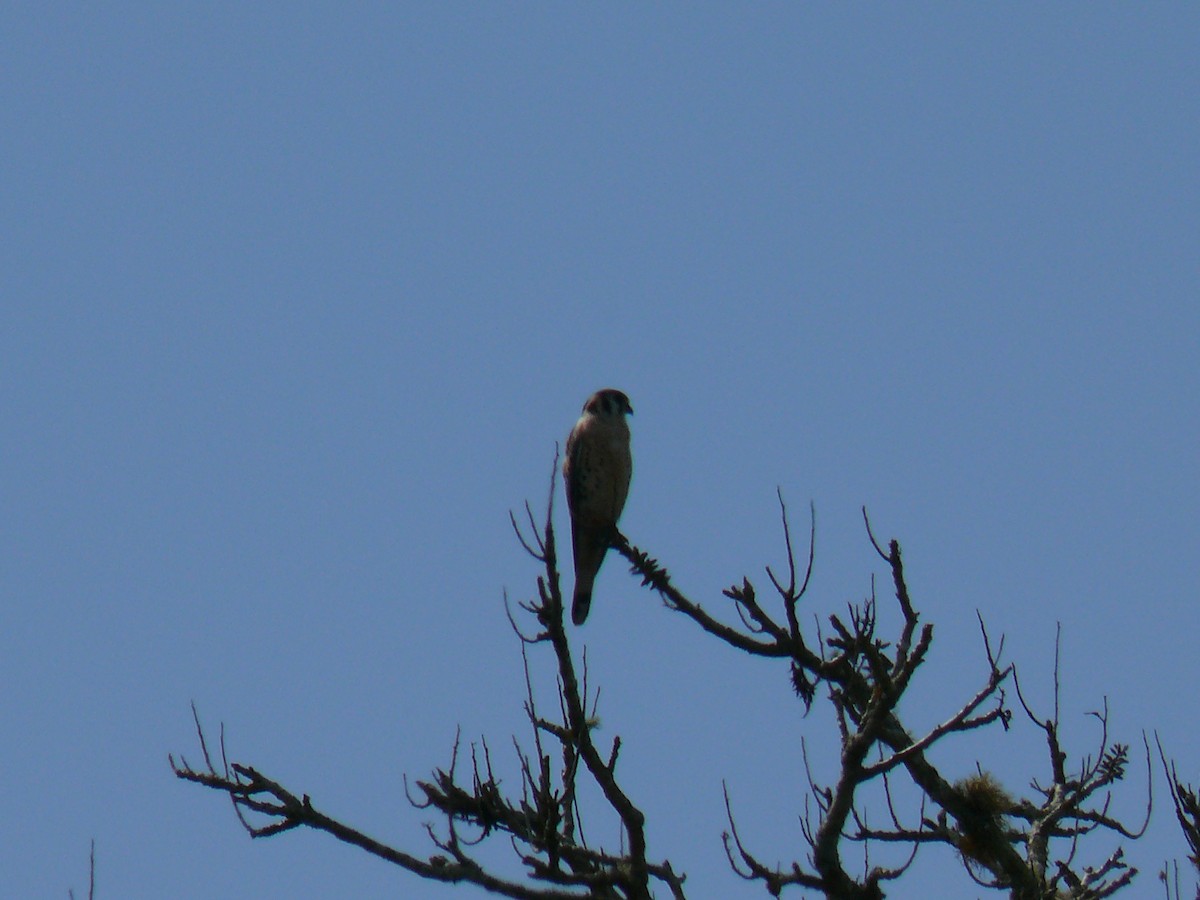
(865, 677)
(542, 822)
(91, 875)
(863, 660)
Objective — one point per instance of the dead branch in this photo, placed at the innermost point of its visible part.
(865, 677)
(542, 821)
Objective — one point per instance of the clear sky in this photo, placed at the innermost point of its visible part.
(297, 300)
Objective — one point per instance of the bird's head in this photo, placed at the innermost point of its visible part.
(608, 403)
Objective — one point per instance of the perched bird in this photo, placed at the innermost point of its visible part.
(597, 471)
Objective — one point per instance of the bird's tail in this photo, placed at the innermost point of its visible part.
(581, 604)
(590, 548)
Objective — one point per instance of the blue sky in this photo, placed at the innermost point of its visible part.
(298, 301)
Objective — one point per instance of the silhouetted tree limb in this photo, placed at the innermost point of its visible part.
(1186, 802)
(542, 821)
(91, 875)
(864, 677)
(861, 666)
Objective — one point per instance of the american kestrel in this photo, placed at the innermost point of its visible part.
(597, 471)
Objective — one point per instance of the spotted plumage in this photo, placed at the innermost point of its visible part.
(596, 470)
